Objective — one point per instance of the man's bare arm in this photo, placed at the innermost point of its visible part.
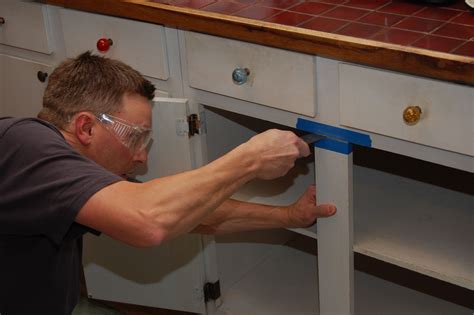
(150, 213)
(236, 216)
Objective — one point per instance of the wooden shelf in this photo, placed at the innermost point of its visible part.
(285, 282)
(414, 225)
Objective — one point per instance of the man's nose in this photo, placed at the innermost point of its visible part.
(141, 156)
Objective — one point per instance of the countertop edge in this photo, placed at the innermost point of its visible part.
(437, 65)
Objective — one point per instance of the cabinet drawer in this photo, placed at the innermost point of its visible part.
(276, 78)
(25, 25)
(21, 93)
(140, 45)
(375, 101)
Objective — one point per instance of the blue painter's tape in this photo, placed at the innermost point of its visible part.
(334, 132)
(334, 145)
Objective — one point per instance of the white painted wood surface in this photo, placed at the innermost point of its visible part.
(285, 282)
(335, 234)
(417, 226)
(374, 100)
(26, 25)
(278, 78)
(140, 45)
(238, 129)
(21, 93)
(170, 276)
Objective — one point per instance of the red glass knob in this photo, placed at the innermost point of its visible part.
(104, 44)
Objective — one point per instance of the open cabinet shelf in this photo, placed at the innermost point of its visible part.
(417, 226)
(285, 279)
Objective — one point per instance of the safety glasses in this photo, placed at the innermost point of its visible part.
(135, 137)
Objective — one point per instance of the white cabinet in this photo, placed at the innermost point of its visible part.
(21, 91)
(304, 271)
(19, 18)
(140, 45)
(28, 50)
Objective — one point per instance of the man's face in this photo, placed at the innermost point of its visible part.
(110, 152)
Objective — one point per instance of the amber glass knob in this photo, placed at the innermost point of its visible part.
(2, 20)
(412, 114)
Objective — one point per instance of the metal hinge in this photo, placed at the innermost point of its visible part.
(212, 291)
(190, 125)
(194, 124)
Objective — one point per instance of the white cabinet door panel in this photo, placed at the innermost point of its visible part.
(21, 93)
(170, 276)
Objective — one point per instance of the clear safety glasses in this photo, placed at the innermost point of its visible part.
(134, 137)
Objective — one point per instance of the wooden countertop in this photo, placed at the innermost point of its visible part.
(417, 61)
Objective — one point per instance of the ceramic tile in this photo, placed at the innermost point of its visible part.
(258, 12)
(436, 13)
(400, 37)
(324, 24)
(417, 24)
(465, 18)
(437, 43)
(313, 8)
(466, 50)
(225, 7)
(193, 4)
(332, 1)
(401, 7)
(456, 31)
(459, 5)
(279, 4)
(289, 18)
(367, 4)
(345, 13)
(381, 19)
(360, 30)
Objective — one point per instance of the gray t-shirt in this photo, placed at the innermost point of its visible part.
(44, 182)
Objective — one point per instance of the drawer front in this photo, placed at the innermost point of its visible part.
(375, 101)
(21, 92)
(25, 25)
(140, 45)
(276, 78)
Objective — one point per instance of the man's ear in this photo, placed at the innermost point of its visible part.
(83, 128)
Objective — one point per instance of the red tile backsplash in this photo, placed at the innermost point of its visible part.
(448, 28)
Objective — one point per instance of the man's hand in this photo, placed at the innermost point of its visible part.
(275, 152)
(305, 211)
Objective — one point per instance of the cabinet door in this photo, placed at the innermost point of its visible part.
(169, 276)
(21, 92)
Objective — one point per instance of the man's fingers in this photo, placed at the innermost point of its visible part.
(326, 210)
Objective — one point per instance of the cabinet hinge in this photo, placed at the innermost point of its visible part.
(194, 125)
(212, 291)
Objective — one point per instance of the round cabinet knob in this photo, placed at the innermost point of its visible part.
(103, 44)
(2, 20)
(412, 115)
(240, 75)
(42, 76)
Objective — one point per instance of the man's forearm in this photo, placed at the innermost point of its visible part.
(237, 216)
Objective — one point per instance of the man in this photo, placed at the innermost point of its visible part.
(64, 175)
